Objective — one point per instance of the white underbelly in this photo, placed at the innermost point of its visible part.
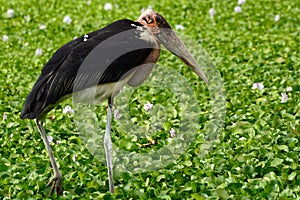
(99, 93)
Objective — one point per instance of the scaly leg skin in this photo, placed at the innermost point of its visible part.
(108, 146)
(56, 181)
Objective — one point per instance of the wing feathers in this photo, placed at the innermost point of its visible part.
(72, 68)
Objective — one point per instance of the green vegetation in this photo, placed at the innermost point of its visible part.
(257, 153)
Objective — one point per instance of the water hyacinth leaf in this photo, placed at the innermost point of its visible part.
(276, 162)
(3, 168)
(257, 156)
(292, 176)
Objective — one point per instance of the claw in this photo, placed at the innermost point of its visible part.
(56, 182)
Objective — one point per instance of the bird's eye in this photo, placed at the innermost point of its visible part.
(147, 20)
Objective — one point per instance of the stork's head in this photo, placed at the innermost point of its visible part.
(161, 29)
(150, 18)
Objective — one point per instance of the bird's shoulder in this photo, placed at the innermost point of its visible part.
(81, 46)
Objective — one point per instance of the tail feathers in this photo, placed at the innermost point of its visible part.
(35, 104)
(32, 111)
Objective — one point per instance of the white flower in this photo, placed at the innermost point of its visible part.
(172, 132)
(276, 18)
(38, 52)
(179, 27)
(50, 139)
(240, 2)
(289, 89)
(4, 116)
(68, 109)
(258, 86)
(74, 158)
(212, 12)
(89, 2)
(5, 38)
(10, 13)
(108, 6)
(67, 19)
(116, 114)
(42, 27)
(284, 97)
(237, 9)
(85, 37)
(27, 18)
(148, 107)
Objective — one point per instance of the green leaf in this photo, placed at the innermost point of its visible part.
(292, 176)
(3, 168)
(222, 194)
(160, 177)
(276, 162)
(197, 196)
(188, 163)
(283, 147)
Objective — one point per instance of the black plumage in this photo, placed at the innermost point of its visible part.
(96, 66)
(112, 52)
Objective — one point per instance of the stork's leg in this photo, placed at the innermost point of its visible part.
(108, 145)
(56, 181)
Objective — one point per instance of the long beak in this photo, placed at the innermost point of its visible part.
(171, 41)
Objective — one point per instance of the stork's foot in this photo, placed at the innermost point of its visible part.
(56, 182)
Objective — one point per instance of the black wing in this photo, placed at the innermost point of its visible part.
(99, 57)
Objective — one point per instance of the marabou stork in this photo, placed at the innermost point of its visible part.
(124, 52)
